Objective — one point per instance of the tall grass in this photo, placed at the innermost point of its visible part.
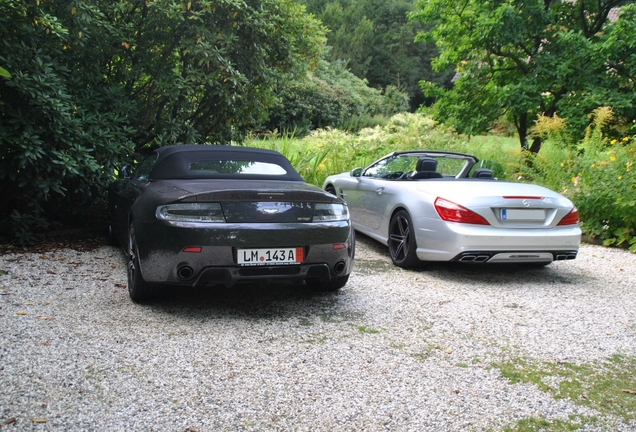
(328, 151)
(596, 174)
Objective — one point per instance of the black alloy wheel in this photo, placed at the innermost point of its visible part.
(402, 240)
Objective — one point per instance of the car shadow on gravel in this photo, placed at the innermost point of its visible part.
(246, 301)
(504, 274)
(494, 274)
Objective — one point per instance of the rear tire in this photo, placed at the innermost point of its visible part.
(138, 289)
(330, 189)
(402, 244)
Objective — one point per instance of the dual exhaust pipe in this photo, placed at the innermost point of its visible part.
(565, 256)
(479, 257)
(185, 272)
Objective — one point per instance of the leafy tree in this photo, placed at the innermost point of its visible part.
(377, 42)
(332, 96)
(530, 58)
(86, 85)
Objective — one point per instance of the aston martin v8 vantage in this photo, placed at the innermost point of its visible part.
(200, 215)
(445, 206)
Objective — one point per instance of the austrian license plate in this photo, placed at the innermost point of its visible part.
(522, 215)
(278, 256)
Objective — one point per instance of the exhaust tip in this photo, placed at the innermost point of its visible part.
(474, 258)
(339, 267)
(565, 256)
(185, 272)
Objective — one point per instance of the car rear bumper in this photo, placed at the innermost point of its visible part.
(163, 258)
(230, 276)
(442, 241)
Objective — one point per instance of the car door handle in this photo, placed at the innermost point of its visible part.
(379, 190)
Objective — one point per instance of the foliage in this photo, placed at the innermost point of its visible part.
(597, 175)
(84, 86)
(527, 59)
(57, 138)
(328, 151)
(333, 97)
(377, 42)
(586, 172)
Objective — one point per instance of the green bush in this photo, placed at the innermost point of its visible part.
(332, 97)
(86, 86)
(61, 128)
(598, 174)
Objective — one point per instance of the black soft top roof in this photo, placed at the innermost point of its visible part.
(173, 162)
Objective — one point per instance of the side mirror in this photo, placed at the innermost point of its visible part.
(356, 172)
(125, 172)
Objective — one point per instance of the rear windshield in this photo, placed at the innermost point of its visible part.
(236, 167)
(221, 162)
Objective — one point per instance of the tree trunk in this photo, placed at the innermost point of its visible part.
(536, 145)
(522, 130)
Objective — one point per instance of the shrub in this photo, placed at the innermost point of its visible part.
(598, 175)
(332, 97)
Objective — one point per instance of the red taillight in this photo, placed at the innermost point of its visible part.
(571, 218)
(193, 249)
(339, 246)
(451, 212)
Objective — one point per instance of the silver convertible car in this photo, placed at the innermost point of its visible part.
(444, 206)
(200, 215)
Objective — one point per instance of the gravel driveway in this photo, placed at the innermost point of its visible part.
(394, 350)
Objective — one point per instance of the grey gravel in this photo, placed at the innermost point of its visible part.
(394, 350)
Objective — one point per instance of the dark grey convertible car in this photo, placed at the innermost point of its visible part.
(201, 215)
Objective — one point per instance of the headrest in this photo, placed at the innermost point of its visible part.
(426, 164)
(482, 173)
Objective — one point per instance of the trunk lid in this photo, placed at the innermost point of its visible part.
(257, 202)
(504, 204)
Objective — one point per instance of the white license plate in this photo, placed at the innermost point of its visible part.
(522, 215)
(270, 256)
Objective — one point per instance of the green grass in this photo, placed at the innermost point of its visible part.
(367, 330)
(542, 425)
(604, 386)
(326, 152)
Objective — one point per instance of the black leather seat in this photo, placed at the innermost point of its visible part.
(482, 173)
(426, 169)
